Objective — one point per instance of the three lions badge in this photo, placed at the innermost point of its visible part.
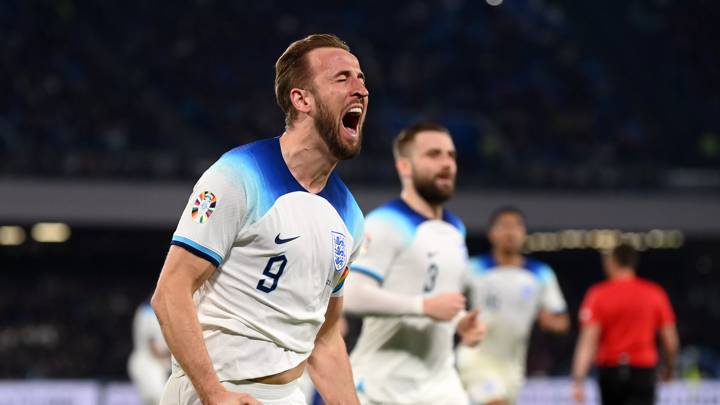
(339, 250)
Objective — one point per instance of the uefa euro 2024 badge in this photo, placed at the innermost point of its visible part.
(339, 250)
(203, 207)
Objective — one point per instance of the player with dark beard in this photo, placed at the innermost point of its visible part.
(408, 280)
(251, 291)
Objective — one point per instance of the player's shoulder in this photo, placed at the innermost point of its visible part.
(454, 220)
(649, 285)
(602, 288)
(481, 264)
(339, 196)
(395, 215)
(251, 159)
(538, 268)
(244, 165)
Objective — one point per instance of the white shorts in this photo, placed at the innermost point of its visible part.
(148, 375)
(489, 380)
(180, 391)
(445, 390)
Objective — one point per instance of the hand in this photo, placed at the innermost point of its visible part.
(443, 307)
(232, 398)
(471, 329)
(578, 392)
(666, 375)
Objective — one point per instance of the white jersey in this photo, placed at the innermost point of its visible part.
(509, 299)
(397, 358)
(281, 253)
(146, 331)
(149, 362)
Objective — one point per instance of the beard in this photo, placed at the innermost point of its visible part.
(330, 131)
(431, 193)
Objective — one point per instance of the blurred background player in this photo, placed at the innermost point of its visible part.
(251, 290)
(620, 319)
(149, 363)
(513, 290)
(408, 279)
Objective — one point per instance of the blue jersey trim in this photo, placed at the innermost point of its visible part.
(455, 221)
(482, 264)
(197, 249)
(367, 272)
(261, 168)
(540, 269)
(407, 220)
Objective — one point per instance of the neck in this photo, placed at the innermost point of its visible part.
(623, 274)
(419, 204)
(307, 156)
(503, 258)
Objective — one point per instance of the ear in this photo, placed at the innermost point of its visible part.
(403, 167)
(301, 100)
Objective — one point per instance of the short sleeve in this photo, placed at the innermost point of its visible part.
(665, 313)
(552, 299)
(212, 217)
(340, 284)
(589, 309)
(358, 241)
(381, 245)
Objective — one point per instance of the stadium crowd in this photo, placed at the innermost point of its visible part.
(537, 93)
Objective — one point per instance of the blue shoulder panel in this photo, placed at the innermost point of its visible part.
(260, 167)
(540, 269)
(404, 218)
(407, 219)
(455, 221)
(482, 264)
(338, 195)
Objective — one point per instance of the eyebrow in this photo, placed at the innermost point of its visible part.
(349, 73)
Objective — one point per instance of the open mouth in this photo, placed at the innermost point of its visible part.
(351, 120)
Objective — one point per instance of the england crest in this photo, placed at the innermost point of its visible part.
(339, 250)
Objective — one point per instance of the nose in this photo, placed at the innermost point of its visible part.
(358, 89)
(449, 162)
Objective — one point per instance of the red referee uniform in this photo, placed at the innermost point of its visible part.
(629, 311)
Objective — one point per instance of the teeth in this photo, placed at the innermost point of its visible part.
(356, 110)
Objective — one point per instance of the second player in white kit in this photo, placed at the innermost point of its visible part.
(407, 282)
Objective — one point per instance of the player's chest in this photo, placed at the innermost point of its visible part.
(435, 261)
(509, 290)
(306, 231)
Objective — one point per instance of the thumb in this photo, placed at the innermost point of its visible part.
(471, 317)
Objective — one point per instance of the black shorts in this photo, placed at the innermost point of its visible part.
(627, 385)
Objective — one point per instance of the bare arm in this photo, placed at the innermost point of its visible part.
(364, 296)
(669, 342)
(329, 366)
(584, 353)
(554, 322)
(182, 274)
